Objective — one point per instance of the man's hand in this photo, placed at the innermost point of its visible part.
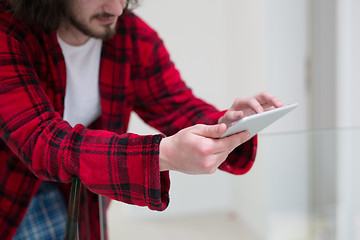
(198, 149)
(243, 107)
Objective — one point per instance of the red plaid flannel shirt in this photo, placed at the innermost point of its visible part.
(36, 144)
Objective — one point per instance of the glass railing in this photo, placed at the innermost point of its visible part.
(310, 179)
(303, 186)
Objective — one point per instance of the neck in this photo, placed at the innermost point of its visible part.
(71, 35)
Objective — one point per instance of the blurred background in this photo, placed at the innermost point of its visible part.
(304, 181)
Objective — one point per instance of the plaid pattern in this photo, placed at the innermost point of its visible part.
(45, 217)
(36, 144)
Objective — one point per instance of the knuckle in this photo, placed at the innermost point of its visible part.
(253, 100)
(210, 164)
(273, 98)
(239, 100)
(205, 165)
(250, 100)
(264, 93)
(267, 96)
(205, 150)
(209, 167)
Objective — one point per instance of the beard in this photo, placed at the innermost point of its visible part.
(109, 29)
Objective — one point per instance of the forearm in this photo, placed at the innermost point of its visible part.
(120, 167)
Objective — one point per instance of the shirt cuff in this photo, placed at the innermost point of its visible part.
(241, 159)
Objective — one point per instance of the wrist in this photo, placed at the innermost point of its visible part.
(164, 162)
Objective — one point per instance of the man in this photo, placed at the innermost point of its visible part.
(71, 72)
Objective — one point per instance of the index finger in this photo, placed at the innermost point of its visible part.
(268, 100)
(231, 142)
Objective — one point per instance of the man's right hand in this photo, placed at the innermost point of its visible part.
(198, 149)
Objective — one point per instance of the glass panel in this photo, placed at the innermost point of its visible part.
(312, 183)
(303, 186)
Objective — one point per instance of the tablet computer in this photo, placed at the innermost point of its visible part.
(257, 122)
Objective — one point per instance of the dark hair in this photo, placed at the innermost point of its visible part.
(47, 14)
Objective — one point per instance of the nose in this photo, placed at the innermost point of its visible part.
(115, 7)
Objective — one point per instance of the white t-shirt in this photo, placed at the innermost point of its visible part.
(82, 95)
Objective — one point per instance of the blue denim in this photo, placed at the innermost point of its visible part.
(46, 215)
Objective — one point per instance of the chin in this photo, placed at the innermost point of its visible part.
(105, 34)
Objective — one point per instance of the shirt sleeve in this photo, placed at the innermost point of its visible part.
(121, 167)
(166, 103)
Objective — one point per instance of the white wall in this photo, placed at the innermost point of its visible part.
(348, 59)
(274, 196)
(287, 56)
(245, 47)
(348, 115)
(195, 33)
(336, 56)
(335, 59)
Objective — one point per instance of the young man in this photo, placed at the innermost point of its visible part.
(71, 72)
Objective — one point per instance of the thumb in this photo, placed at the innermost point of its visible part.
(210, 131)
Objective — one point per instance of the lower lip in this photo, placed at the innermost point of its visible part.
(107, 20)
